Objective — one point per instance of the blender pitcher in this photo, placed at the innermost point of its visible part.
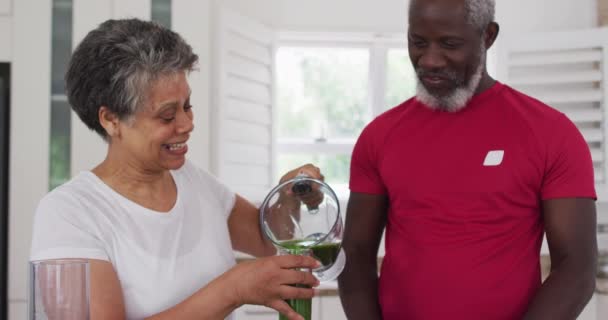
(303, 214)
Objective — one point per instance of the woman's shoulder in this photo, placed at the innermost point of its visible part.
(71, 193)
(202, 182)
(194, 173)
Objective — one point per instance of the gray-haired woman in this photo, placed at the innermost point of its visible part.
(158, 231)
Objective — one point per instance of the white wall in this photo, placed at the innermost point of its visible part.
(6, 30)
(391, 15)
(545, 15)
(29, 137)
(5, 7)
(322, 15)
(6, 38)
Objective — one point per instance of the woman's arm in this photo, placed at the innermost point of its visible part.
(263, 282)
(244, 228)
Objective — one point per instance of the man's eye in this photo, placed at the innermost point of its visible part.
(451, 44)
(418, 44)
(188, 107)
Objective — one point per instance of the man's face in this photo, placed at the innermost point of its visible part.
(446, 52)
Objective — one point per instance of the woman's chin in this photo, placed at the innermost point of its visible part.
(175, 164)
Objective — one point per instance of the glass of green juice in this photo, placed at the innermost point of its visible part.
(301, 306)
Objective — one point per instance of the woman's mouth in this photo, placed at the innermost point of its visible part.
(177, 149)
(174, 146)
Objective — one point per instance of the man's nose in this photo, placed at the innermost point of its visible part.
(432, 59)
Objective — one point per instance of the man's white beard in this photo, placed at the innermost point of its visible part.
(456, 100)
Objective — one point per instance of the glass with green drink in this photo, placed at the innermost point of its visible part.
(301, 215)
(301, 306)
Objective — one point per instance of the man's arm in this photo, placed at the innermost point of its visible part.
(358, 283)
(570, 225)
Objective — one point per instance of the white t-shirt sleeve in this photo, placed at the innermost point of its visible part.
(64, 228)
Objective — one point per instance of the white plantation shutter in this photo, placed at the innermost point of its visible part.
(242, 108)
(566, 70)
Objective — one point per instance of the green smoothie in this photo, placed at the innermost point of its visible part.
(302, 306)
(327, 253)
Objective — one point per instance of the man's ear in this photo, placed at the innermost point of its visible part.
(491, 34)
(109, 121)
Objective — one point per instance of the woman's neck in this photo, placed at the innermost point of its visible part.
(153, 189)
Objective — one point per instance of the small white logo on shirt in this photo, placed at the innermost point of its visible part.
(494, 158)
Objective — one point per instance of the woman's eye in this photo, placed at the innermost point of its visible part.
(168, 117)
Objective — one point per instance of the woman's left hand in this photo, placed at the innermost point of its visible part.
(312, 197)
(308, 169)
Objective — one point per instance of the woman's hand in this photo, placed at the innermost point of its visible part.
(307, 169)
(268, 281)
(311, 197)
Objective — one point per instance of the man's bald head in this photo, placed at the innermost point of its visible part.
(478, 13)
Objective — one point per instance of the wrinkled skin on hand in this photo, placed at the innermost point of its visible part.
(268, 282)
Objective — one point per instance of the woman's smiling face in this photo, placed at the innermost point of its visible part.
(155, 136)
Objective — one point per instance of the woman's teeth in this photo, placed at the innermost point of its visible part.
(175, 146)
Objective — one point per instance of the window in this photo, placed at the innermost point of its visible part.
(327, 91)
(60, 108)
(161, 12)
(400, 77)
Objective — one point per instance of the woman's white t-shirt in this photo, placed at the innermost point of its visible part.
(160, 258)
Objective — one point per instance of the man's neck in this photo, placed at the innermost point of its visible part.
(485, 83)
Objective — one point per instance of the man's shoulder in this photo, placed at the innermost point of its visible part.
(536, 117)
(393, 115)
(528, 105)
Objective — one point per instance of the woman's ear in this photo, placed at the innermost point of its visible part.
(109, 121)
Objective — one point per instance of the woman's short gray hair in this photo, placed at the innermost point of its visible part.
(115, 64)
(480, 13)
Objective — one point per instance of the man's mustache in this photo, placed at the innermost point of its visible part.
(445, 74)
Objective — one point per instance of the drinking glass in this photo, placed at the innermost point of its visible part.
(302, 306)
(59, 290)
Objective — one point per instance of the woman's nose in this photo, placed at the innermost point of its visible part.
(185, 122)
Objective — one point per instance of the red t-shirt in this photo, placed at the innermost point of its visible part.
(464, 224)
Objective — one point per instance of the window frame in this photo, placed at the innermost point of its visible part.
(378, 46)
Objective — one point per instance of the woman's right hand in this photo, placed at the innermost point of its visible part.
(268, 281)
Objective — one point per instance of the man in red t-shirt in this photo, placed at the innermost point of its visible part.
(466, 177)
